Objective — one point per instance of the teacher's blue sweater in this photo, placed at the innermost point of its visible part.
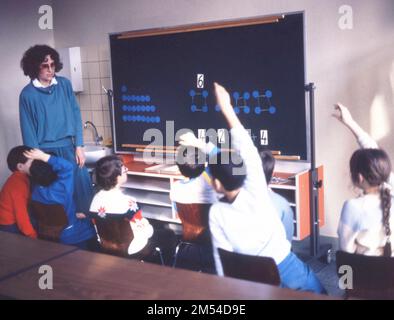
(49, 115)
(61, 192)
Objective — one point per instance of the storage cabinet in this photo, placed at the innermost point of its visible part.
(295, 188)
(152, 189)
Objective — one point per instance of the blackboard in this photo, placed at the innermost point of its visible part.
(157, 78)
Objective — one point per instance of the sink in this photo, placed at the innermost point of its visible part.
(95, 152)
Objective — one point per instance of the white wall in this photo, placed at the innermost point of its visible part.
(19, 30)
(352, 66)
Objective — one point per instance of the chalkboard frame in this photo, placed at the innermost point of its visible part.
(137, 149)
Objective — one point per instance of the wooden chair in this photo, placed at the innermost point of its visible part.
(372, 276)
(116, 235)
(247, 267)
(51, 220)
(194, 218)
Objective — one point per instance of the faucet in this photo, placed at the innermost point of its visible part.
(97, 138)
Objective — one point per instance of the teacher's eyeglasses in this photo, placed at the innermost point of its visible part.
(47, 66)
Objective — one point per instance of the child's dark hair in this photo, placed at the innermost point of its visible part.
(268, 164)
(228, 168)
(375, 167)
(107, 171)
(190, 161)
(33, 58)
(41, 173)
(16, 156)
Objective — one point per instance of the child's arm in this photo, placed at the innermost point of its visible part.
(241, 142)
(363, 138)
(64, 184)
(20, 199)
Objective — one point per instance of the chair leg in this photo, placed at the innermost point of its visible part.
(178, 247)
(158, 250)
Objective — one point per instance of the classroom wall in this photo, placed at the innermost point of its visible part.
(354, 66)
(19, 29)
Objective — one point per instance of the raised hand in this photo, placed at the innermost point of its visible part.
(224, 101)
(342, 114)
(188, 139)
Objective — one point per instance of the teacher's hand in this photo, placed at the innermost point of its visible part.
(80, 156)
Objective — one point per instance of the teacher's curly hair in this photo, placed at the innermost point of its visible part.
(33, 58)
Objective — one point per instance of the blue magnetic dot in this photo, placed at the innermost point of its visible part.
(272, 109)
(268, 93)
(236, 95)
(153, 108)
(143, 118)
(193, 108)
(124, 118)
(124, 107)
(123, 97)
(246, 95)
(192, 93)
(236, 110)
(132, 97)
(143, 108)
(205, 93)
(255, 94)
(205, 108)
(147, 108)
(147, 119)
(147, 98)
(217, 108)
(246, 109)
(142, 98)
(257, 110)
(124, 88)
(157, 119)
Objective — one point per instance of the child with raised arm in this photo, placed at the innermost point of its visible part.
(366, 222)
(15, 195)
(245, 221)
(53, 184)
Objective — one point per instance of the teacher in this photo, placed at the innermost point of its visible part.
(50, 118)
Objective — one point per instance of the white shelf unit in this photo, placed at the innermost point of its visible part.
(152, 192)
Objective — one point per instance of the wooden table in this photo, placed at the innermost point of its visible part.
(86, 275)
(18, 253)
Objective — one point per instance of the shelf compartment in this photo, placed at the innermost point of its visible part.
(150, 197)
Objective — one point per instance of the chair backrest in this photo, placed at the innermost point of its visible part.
(115, 234)
(51, 220)
(247, 267)
(194, 217)
(371, 277)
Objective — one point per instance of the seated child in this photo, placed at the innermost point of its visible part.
(366, 222)
(110, 202)
(245, 221)
(15, 195)
(196, 186)
(281, 204)
(53, 184)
